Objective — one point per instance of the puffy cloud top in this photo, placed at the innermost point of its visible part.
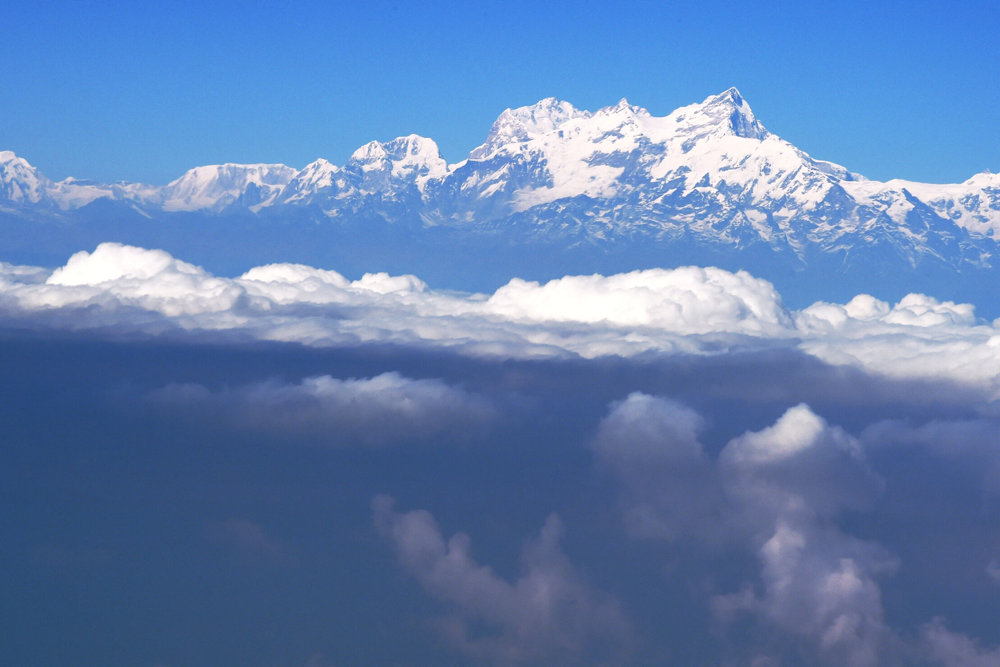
(684, 300)
(797, 430)
(294, 274)
(116, 262)
(149, 279)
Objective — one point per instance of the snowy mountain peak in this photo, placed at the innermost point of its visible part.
(515, 126)
(316, 177)
(20, 182)
(554, 122)
(217, 186)
(984, 179)
(234, 175)
(320, 165)
(623, 110)
(729, 96)
(317, 174)
(410, 148)
(406, 157)
(542, 116)
(724, 114)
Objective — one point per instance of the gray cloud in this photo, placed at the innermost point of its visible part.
(821, 585)
(792, 479)
(547, 613)
(370, 411)
(774, 493)
(954, 649)
(800, 465)
(652, 445)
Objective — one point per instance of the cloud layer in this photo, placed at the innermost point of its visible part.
(132, 291)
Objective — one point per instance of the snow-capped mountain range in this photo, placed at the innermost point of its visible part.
(707, 176)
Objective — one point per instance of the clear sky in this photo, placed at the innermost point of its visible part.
(115, 90)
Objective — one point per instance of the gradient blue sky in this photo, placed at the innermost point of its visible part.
(113, 91)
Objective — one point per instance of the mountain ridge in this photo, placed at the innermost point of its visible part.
(707, 180)
(725, 113)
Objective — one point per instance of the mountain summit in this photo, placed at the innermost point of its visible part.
(731, 107)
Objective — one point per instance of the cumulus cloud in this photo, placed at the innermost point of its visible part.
(652, 444)
(798, 465)
(26, 275)
(821, 585)
(785, 533)
(547, 614)
(775, 493)
(792, 479)
(688, 310)
(150, 279)
(685, 300)
(785, 497)
(370, 411)
(919, 337)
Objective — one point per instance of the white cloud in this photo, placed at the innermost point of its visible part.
(796, 431)
(685, 301)
(647, 430)
(11, 274)
(687, 310)
(295, 283)
(771, 504)
(547, 614)
(919, 337)
(149, 279)
(372, 411)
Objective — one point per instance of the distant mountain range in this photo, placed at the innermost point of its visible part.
(552, 190)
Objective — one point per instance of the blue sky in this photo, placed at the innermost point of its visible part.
(124, 91)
